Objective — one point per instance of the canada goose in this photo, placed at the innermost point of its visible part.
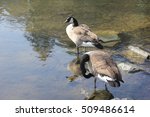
(99, 64)
(81, 34)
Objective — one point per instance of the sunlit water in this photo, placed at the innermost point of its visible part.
(35, 50)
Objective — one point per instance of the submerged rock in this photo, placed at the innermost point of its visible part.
(109, 38)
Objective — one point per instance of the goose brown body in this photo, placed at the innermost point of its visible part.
(101, 65)
(81, 34)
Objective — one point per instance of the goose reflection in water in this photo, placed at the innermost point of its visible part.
(74, 68)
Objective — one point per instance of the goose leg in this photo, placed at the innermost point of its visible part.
(84, 49)
(78, 58)
(95, 83)
(106, 87)
(77, 51)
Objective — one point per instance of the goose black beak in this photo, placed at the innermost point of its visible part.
(65, 21)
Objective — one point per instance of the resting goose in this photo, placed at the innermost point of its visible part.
(81, 35)
(99, 64)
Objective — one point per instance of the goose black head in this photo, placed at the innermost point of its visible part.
(72, 20)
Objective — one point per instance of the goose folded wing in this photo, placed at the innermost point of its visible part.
(85, 34)
(105, 66)
(84, 26)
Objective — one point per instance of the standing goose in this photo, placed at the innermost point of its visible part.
(81, 34)
(99, 64)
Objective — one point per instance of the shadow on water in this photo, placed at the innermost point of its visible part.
(37, 36)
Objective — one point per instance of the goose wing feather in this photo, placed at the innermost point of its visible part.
(104, 65)
(84, 34)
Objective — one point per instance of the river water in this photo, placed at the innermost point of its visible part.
(35, 51)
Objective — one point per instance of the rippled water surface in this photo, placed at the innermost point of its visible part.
(35, 51)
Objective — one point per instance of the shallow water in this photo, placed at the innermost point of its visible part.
(35, 50)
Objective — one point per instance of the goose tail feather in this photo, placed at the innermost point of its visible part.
(114, 83)
(98, 45)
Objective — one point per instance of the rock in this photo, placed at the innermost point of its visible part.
(124, 66)
(100, 95)
(133, 57)
(130, 68)
(134, 70)
(108, 38)
(127, 98)
(139, 51)
(136, 54)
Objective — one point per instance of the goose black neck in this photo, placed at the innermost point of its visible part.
(75, 22)
(85, 58)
